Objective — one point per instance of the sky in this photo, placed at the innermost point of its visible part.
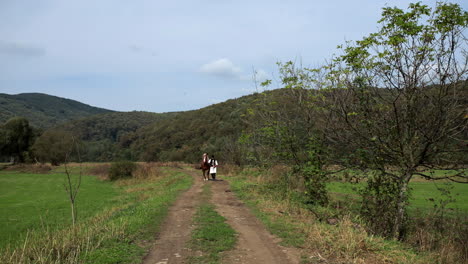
(165, 56)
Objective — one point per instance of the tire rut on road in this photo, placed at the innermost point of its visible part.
(170, 245)
(255, 244)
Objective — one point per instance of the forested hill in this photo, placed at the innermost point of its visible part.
(106, 136)
(42, 110)
(214, 129)
(164, 137)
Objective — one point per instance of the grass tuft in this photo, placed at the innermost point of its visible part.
(212, 234)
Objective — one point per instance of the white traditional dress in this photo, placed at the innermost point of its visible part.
(213, 166)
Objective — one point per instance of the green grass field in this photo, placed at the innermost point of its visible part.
(112, 217)
(38, 201)
(424, 195)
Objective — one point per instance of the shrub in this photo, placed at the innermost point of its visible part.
(314, 184)
(146, 170)
(101, 170)
(380, 204)
(121, 169)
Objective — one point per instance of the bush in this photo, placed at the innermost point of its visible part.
(379, 206)
(121, 169)
(101, 170)
(146, 170)
(314, 184)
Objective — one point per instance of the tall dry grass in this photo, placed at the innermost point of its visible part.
(228, 170)
(29, 168)
(67, 245)
(171, 164)
(341, 241)
(445, 237)
(330, 236)
(438, 237)
(99, 170)
(147, 170)
(144, 170)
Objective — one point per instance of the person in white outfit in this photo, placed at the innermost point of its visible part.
(213, 165)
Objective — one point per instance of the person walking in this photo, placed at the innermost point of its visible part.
(213, 165)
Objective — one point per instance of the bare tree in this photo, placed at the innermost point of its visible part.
(72, 186)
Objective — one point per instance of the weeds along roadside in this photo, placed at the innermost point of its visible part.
(212, 235)
(336, 238)
(116, 235)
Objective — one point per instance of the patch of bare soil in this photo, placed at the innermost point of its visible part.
(170, 246)
(255, 244)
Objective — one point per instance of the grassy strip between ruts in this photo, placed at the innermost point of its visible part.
(343, 242)
(212, 234)
(112, 236)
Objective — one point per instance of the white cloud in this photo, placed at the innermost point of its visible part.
(222, 68)
(226, 69)
(20, 49)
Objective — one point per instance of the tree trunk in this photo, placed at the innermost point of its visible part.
(401, 205)
(73, 212)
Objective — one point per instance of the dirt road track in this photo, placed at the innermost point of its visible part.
(255, 244)
(170, 246)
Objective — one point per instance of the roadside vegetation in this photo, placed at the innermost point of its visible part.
(387, 111)
(336, 233)
(114, 225)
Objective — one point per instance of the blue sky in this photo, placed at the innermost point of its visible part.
(164, 56)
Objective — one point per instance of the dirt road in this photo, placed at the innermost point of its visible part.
(170, 246)
(255, 244)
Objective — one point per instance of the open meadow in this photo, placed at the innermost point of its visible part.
(424, 195)
(39, 201)
(36, 215)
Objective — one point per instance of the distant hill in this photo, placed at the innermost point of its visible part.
(183, 136)
(42, 110)
(106, 135)
(214, 129)
(168, 136)
(144, 136)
